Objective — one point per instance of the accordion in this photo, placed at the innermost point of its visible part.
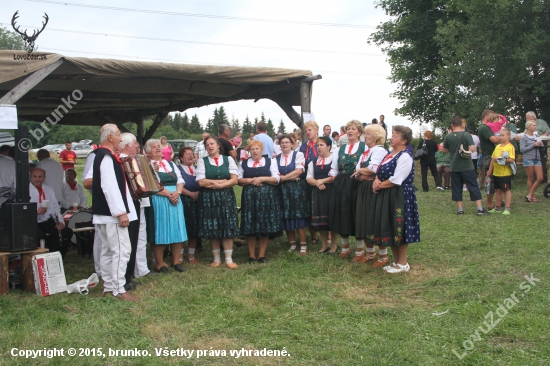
(142, 180)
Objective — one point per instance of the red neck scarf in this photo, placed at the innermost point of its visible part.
(388, 157)
(191, 170)
(165, 168)
(312, 145)
(256, 164)
(217, 161)
(72, 185)
(41, 194)
(350, 148)
(364, 157)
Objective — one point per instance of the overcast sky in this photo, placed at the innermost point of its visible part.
(354, 84)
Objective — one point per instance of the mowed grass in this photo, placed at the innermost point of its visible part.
(319, 308)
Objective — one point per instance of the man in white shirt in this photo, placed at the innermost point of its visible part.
(112, 212)
(7, 169)
(50, 220)
(137, 264)
(72, 192)
(200, 150)
(54, 172)
(87, 175)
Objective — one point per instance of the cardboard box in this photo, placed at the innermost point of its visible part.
(49, 274)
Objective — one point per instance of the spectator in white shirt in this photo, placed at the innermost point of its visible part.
(7, 168)
(54, 172)
(50, 220)
(200, 150)
(72, 192)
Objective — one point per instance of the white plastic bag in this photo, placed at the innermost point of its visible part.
(83, 286)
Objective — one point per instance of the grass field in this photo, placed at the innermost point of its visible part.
(321, 309)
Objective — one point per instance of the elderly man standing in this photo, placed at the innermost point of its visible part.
(50, 220)
(72, 192)
(54, 172)
(112, 210)
(137, 265)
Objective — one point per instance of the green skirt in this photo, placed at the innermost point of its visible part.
(218, 217)
(365, 199)
(260, 211)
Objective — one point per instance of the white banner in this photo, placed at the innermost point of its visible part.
(8, 116)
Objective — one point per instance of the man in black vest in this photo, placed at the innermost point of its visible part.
(113, 210)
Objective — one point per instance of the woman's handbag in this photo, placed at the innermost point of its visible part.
(421, 152)
(466, 154)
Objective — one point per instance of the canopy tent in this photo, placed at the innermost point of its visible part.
(117, 91)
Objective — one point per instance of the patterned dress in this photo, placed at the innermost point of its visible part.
(394, 220)
(295, 205)
(365, 197)
(190, 207)
(343, 205)
(165, 222)
(218, 216)
(310, 152)
(320, 199)
(261, 206)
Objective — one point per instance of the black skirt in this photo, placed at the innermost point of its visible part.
(191, 213)
(261, 211)
(343, 205)
(365, 208)
(218, 214)
(294, 200)
(320, 201)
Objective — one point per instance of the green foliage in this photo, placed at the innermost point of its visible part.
(248, 128)
(195, 126)
(459, 57)
(281, 127)
(270, 128)
(10, 40)
(235, 126)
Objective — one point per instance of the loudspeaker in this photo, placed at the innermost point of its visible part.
(18, 227)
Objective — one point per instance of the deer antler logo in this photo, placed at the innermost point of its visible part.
(29, 40)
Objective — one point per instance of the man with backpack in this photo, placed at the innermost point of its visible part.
(460, 145)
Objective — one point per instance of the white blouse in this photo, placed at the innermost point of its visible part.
(376, 154)
(186, 170)
(328, 161)
(402, 169)
(167, 168)
(299, 163)
(201, 169)
(250, 162)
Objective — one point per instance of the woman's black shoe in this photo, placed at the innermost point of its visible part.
(262, 260)
(251, 260)
(178, 267)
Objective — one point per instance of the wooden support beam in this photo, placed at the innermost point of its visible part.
(121, 128)
(154, 126)
(140, 130)
(286, 106)
(30, 82)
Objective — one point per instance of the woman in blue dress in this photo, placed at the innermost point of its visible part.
(190, 197)
(216, 175)
(165, 219)
(260, 202)
(395, 222)
(293, 191)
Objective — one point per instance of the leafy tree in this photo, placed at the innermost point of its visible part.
(262, 118)
(270, 128)
(10, 40)
(177, 121)
(462, 56)
(195, 126)
(281, 127)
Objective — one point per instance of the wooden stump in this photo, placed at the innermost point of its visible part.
(4, 274)
(28, 277)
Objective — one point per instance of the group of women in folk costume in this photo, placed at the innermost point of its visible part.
(369, 194)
